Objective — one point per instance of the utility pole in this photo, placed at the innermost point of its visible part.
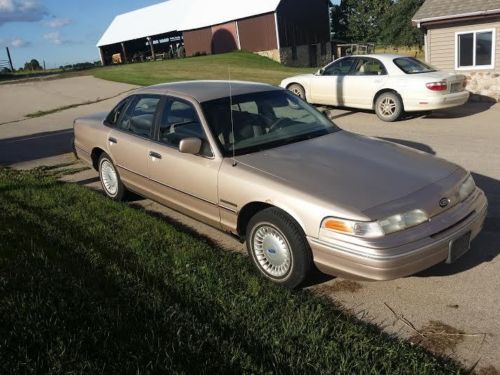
(10, 60)
(44, 69)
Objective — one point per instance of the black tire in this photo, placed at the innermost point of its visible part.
(120, 192)
(389, 107)
(300, 256)
(298, 90)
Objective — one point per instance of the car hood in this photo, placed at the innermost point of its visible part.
(299, 77)
(96, 117)
(349, 170)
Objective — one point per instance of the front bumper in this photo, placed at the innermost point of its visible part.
(352, 261)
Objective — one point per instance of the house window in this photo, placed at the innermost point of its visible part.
(475, 50)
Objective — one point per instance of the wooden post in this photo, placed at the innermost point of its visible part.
(10, 60)
(125, 60)
(153, 56)
(101, 55)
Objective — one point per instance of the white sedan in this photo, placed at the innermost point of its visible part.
(388, 84)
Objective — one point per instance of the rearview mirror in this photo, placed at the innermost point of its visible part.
(190, 146)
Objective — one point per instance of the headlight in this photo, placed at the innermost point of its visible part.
(372, 229)
(467, 188)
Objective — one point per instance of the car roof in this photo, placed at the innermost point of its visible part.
(381, 56)
(203, 91)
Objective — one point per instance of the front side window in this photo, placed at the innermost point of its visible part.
(475, 49)
(262, 121)
(139, 117)
(180, 121)
(410, 65)
(341, 67)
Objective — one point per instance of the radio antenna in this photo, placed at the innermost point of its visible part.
(231, 112)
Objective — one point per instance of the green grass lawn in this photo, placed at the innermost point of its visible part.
(90, 285)
(243, 66)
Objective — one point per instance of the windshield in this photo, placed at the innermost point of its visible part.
(410, 65)
(262, 121)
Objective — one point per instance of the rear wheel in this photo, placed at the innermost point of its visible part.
(110, 179)
(389, 107)
(298, 90)
(278, 248)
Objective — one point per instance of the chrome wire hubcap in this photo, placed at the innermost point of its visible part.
(387, 107)
(272, 251)
(109, 178)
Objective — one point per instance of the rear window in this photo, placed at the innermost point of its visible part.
(410, 65)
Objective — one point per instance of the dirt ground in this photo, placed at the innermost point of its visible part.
(454, 309)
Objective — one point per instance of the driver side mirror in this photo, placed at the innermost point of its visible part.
(190, 146)
(320, 72)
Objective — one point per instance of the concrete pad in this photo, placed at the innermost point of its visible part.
(20, 99)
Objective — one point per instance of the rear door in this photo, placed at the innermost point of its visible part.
(328, 87)
(367, 77)
(129, 141)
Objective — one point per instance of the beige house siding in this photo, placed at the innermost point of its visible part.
(441, 42)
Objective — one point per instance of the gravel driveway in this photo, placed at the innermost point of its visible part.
(455, 309)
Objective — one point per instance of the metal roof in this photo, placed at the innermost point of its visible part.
(180, 15)
(433, 10)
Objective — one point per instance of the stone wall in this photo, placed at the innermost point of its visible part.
(272, 54)
(484, 86)
(302, 57)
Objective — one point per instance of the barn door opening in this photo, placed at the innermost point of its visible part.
(313, 55)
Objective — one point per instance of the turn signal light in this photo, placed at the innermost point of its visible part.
(437, 86)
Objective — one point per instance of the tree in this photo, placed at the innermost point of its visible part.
(365, 19)
(339, 17)
(32, 65)
(398, 29)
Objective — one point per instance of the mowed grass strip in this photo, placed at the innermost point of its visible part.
(90, 285)
(239, 65)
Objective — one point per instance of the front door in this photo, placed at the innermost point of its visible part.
(130, 141)
(327, 88)
(185, 182)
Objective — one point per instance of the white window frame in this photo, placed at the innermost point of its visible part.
(474, 67)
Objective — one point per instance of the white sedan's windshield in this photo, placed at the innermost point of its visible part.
(263, 120)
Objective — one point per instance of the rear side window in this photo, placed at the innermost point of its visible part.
(367, 66)
(410, 65)
(139, 116)
(115, 114)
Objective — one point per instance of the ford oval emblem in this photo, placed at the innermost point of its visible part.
(443, 203)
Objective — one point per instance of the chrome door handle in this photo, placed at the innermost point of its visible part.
(112, 140)
(154, 155)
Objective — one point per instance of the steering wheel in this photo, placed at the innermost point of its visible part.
(278, 124)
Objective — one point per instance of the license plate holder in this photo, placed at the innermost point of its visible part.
(458, 247)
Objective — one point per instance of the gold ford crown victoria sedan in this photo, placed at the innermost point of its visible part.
(258, 162)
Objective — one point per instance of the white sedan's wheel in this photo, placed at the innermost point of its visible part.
(110, 180)
(389, 107)
(298, 90)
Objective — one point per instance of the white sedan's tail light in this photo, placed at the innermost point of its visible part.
(437, 86)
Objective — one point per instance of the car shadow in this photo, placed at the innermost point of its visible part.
(486, 247)
(35, 146)
(466, 110)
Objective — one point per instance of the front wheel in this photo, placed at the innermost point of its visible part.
(278, 248)
(298, 90)
(389, 107)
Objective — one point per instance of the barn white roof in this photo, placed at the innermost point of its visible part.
(180, 15)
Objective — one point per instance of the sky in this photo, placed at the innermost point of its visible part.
(58, 32)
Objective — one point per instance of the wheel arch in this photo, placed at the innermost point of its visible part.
(251, 209)
(383, 91)
(95, 155)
